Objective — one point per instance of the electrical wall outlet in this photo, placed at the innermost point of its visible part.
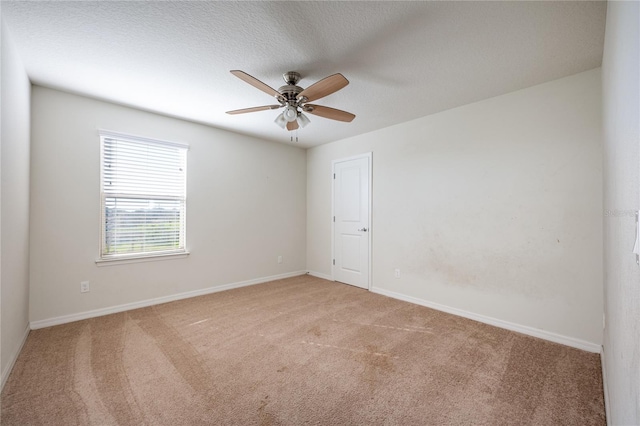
(84, 287)
(396, 273)
(279, 259)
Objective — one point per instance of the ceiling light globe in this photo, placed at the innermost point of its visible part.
(303, 120)
(281, 121)
(290, 114)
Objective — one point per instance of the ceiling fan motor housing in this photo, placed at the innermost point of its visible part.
(291, 90)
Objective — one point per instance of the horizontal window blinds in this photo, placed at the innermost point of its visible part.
(143, 197)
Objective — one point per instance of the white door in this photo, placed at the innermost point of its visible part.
(351, 231)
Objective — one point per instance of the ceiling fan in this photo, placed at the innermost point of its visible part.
(294, 99)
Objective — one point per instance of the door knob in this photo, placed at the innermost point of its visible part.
(363, 229)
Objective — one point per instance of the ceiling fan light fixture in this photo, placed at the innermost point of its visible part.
(281, 120)
(303, 120)
(290, 113)
(294, 99)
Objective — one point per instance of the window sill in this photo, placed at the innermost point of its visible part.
(139, 259)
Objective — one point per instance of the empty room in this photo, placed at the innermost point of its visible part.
(320, 212)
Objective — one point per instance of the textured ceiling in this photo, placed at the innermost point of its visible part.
(403, 59)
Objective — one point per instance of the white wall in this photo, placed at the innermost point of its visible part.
(246, 204)
(14, 217)
(494, 208)
(621, 112)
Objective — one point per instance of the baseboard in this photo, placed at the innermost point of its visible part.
(157, 301)
(14, 357)
(535, 332)
(320, 275)
(607, 409)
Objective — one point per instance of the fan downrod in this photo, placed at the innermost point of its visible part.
(291, 78)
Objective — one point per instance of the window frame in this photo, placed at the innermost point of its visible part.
(110, 259)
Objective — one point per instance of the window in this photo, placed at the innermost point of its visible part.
(143, 197)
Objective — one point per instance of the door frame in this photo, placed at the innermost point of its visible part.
(369, 157)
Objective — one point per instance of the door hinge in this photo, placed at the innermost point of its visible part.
(334, 175)
(334, 218)
(334, 261)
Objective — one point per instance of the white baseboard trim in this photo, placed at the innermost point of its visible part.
(320, 275)
(14, 357)
(607, 409)
(157, 301)
(535, 332)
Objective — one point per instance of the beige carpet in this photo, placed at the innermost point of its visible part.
(294, 352)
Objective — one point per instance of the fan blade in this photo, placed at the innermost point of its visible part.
(332, 113)
(324, 87)
(254, 109)
(256, 83)
(292, 125)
